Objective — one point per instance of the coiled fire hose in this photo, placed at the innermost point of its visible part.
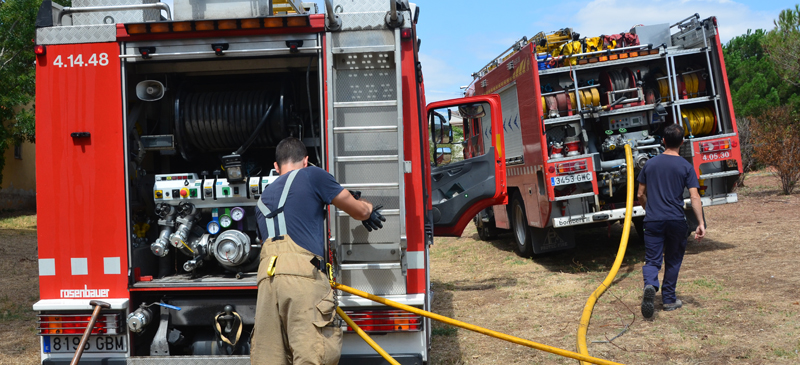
(623, 245)
(457, 323)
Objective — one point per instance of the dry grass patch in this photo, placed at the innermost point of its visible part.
(739, 287)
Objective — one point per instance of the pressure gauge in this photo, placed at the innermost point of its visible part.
(225, 220)
(237, 214)
(213, 227)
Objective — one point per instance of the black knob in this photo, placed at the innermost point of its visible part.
(217, 173)
(204, 173)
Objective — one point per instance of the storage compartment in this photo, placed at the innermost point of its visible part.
(201, 137)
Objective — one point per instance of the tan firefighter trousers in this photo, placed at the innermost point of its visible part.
(295, 311)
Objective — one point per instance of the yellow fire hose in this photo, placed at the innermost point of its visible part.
(623, 244)
(366, 337)
(468, 326)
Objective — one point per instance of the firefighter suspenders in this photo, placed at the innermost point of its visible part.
(279, 229)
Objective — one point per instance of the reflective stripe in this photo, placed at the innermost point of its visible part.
(281, 220)
(284, 194)
(265, 211)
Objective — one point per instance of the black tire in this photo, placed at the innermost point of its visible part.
(487, 231)
(519, 227)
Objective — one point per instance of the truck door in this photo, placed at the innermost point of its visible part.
(468, 164)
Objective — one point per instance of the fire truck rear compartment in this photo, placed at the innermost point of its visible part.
(185, 119)
(603, 134)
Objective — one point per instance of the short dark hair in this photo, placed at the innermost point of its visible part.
(673, 136)
(290, 150)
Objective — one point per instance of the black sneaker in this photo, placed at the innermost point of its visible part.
(672, 306)
(647, 301)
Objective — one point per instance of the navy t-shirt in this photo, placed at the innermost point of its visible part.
(666, 176)
(311, 190)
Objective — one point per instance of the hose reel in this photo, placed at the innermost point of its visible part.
(226, 120)
(701, 121)
(613, 82)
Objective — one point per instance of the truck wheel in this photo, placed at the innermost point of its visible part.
(486, 230)
(519, 226)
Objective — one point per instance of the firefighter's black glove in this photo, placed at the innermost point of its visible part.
(355, 193)
(373, 223)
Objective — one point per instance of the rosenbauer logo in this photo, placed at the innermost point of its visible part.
(84, 293)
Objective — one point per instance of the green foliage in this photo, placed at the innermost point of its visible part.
(754, 82)
(17, 72)
(783, 45)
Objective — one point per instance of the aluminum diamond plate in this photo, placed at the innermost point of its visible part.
(376, 281)
(190, 360)
(360, 6)
(128, 16)
(77, 34)
(368, 21)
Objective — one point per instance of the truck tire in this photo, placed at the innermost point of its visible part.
(487, 231)
(519, 227)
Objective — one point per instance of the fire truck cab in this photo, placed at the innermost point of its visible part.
(156, 131)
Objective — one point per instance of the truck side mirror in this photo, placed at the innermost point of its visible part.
(443, 155)
(442, 130)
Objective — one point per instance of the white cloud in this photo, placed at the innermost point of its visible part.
(442, 80)
(611, 16)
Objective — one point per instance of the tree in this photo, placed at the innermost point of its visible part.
(754, 82)
(756, 88)
(777, 133)
(783, 45)
(17, 73)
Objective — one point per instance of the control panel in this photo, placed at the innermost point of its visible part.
(209, 191)
(626, 121)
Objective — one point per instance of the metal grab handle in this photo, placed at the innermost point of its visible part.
(92, 9)
(98, 305)
(333, 23)
(393, 12)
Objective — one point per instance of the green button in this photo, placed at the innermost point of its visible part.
(193, 193)
(226, 191)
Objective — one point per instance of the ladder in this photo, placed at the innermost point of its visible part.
(365, 134)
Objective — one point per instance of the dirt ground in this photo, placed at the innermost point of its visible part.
(739, 289)
(738, 285)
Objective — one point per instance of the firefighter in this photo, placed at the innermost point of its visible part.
(661, 185)
(296, 305)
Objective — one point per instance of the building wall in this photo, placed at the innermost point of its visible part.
(19, 179)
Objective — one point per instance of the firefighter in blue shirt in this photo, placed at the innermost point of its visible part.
(296, 305)
(661, 185)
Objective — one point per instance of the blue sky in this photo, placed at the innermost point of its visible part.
(461, 36)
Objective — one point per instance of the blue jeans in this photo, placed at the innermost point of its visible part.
(665, 239)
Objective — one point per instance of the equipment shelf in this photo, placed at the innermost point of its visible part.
(702, 99)
(601, 64)
(572, 118)
(661, 55)
(248, 280)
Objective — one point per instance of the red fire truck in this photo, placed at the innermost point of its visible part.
(569, 104)
(156, 130)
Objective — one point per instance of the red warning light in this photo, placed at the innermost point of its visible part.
(39, 50)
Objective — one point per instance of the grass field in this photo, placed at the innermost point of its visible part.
(739, 287)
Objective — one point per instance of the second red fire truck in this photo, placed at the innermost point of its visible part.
(570, 103)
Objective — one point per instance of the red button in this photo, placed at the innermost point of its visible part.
(184, 192)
